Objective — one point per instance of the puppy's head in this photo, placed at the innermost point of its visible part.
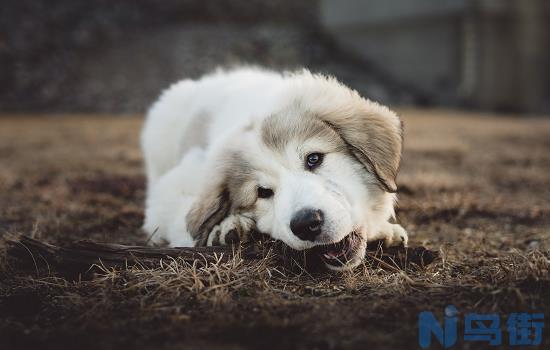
(319, 174)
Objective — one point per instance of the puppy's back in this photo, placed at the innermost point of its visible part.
(192, 113)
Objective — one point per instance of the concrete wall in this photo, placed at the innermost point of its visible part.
(490, 54)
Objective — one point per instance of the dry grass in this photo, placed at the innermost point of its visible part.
(475, 187)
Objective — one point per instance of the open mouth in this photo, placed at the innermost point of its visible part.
(340, 253)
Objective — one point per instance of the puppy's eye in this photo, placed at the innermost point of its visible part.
(314, 160)
(265, 192)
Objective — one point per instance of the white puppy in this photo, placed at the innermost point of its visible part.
(297, 156)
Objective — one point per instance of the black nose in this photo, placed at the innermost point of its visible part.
(306, 223)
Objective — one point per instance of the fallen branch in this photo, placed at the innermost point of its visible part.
(79, 257)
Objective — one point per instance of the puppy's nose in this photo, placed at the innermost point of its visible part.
(306, 223)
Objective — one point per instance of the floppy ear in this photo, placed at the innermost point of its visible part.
(211, 207)
(374, 136)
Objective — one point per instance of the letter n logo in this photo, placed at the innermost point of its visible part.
(428, 325)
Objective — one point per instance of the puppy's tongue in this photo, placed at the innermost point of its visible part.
(338, 250)
(334, 254)
(331, 256)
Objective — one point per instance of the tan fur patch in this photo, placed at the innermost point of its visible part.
(369, 132)
(293, 125)
(374, 137)
(221, 198)
(212, 207)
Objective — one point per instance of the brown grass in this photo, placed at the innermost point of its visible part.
(475, 187)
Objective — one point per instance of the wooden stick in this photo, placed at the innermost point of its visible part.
(80, 256)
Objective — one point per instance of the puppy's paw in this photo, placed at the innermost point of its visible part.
(392, 235)
(233, 229)
(396, 236)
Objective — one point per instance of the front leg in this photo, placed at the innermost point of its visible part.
(391, 234)
(233, 229)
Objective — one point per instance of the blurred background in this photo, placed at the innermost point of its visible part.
(469, 78)
(105, 56)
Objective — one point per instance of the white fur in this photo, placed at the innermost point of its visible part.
(194, 122)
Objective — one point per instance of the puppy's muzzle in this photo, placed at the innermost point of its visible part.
(307, 224)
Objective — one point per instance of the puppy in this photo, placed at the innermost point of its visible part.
(297, 156)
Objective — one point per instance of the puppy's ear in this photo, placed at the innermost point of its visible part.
(211, 207)
(374, 136)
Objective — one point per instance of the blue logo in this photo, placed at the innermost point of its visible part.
(524, 329)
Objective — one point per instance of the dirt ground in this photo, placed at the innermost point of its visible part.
(475, 187)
